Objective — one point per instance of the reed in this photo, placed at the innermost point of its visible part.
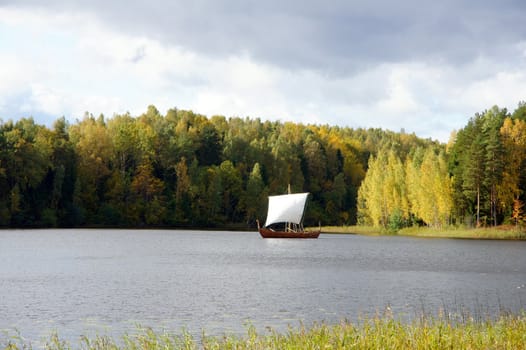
(385, 332)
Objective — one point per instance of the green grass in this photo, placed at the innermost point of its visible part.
(500, 232)
(506, 332)
(359, 230)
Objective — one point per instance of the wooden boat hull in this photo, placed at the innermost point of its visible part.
(266, 233)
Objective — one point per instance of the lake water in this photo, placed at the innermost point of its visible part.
(109, 281)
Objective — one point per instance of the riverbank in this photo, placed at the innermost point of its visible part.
(505, 332)
(499, 232)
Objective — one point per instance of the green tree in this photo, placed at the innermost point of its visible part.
(335, 201)
(286, 166)
(183, 192)
(93, 147)
(316, 164)
(469, 167)
(62, 175)
(27, 159)
(127, 145)
(477, 160)
(494, 162)
(209, 151)
(253, 202)
(231, 190)
(520, 112)
(211, 189)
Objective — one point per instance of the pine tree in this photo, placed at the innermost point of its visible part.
(494, 162)
(473, 166)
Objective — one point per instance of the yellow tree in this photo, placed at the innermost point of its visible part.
(412, 179)
(513, 134)
(444, 190)
(382, 197)
(395, 189)
(371, 204)
(517, 214)
(427, 189)
(147, 205)
(429, 185)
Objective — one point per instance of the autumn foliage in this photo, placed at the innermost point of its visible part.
(186, 169)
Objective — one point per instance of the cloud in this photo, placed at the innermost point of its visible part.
(337, 36)
(422, 66)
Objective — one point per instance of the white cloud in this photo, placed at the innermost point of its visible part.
(504, 88)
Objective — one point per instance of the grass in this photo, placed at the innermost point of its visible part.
(499, 232)
(385, 332)
(359, 230)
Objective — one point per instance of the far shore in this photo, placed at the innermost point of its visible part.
(503, 232)
(497, 233)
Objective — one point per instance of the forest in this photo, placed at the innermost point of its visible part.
(185, 169)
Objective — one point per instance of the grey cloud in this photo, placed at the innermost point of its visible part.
(336, 37)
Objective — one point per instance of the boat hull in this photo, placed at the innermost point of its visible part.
(266, 233)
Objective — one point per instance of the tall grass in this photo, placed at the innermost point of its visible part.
(385, 332)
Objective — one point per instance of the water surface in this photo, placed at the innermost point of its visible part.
(109, 281)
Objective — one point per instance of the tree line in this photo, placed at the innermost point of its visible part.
(186, 169)
(477, 179)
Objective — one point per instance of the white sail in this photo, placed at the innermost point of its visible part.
(286, 208)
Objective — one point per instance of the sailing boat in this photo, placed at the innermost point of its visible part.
(286, 211)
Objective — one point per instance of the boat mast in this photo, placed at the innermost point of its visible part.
(287, 225)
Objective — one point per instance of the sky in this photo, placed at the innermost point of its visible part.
(421, 66)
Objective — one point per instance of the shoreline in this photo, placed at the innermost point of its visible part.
(491, 233)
